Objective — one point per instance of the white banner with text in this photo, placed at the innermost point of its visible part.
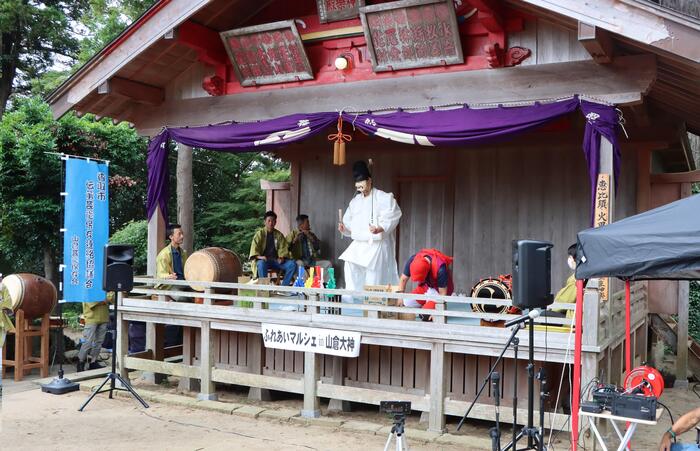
(311, 339)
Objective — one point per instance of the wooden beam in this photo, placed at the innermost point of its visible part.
(621, 82)
(677, 177)
(596, 41)
(138, 92)
(207, 42)
(105, 66)
(634, 21)
(489, 14)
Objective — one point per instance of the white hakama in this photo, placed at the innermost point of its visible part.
(371, 258)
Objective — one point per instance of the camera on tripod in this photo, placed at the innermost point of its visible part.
(395, 407)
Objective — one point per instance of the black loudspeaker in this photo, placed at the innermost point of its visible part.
(532, 274)
(118, 274)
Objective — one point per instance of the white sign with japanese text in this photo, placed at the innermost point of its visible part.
(311, 339)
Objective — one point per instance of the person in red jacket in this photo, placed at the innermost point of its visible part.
(429, 269)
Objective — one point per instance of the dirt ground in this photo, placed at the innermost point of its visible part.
(32, 420)
(37, 421)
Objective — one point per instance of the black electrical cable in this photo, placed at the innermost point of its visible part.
(695, 386)
(667, 410)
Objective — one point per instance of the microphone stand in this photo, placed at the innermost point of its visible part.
(491, 370)
(496, 432)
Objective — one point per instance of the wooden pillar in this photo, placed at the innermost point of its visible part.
(44, 353)
(591, 314)
(312, 370)
(643, 180)
(256, 350)
(156, 240)
(122, 338)
(682, 333)
(20, 344)
(185, 203)
(187, 383)
(338, 378)
(206, 362)
(436, 418)
(605, 202)
(683, 307)
(155, 341)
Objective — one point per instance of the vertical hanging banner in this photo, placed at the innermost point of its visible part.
(601, 218)
(86, 229)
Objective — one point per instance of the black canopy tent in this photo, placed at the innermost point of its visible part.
(663, 243)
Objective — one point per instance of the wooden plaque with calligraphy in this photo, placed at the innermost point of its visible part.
(411, 33)
(601, 217)
(268, 53)
(334, 10)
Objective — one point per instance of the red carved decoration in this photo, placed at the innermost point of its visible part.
(496, 57)
(214, 85)
(516, 55)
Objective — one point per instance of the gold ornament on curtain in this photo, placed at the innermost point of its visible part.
(339, 139)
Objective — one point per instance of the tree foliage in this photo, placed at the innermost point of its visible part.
(229, 203)
(32, 35)
(134, 233)
(30, 178)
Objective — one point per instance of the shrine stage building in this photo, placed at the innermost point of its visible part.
(181, 64)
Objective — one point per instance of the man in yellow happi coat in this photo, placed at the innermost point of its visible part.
(5, 308)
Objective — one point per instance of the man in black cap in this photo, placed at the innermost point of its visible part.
(371, 220)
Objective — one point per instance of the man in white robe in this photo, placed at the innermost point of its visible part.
(371, 220)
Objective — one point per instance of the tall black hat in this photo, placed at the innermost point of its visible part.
(360, 171)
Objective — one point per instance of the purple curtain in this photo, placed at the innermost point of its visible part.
(234, 137)
(601, 120)
(429, 128)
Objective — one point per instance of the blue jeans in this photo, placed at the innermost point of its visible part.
(288, 266)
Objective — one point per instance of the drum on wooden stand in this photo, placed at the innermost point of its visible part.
(497, 289)
(35, 295)
(213, 264)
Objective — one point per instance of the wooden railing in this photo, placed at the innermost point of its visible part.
(447, 346)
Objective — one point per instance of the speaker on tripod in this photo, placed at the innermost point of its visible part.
(117, 276)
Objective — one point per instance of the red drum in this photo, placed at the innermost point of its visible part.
(33, 294)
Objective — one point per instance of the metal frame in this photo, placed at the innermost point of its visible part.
(403, 4)
(281, 78)
(350, 13)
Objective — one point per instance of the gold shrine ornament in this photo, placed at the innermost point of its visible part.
(339, 140)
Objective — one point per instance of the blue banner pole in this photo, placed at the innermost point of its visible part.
(85, 231)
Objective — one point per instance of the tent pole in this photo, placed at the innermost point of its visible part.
(576, 389)
(628, 334)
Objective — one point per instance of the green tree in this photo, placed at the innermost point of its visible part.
(30, 179)
(230, 219)
(104, 20)
(134, 233)
(32, 35)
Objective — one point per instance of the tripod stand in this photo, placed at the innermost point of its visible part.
(534, 435)
(113, 376)
(397, 433)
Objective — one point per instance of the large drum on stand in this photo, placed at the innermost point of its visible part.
(213, 264)
(33, 294)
